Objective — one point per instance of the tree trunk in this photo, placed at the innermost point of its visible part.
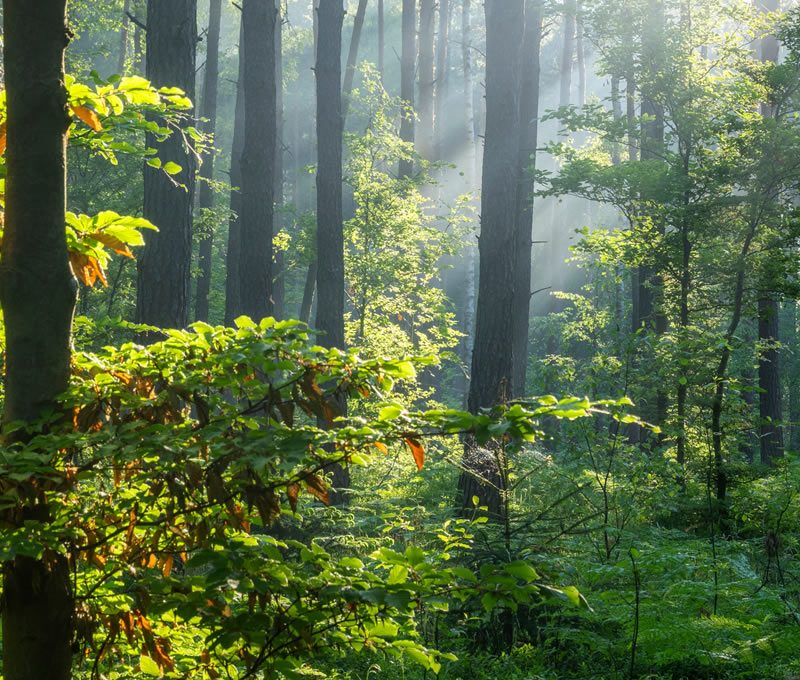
(330, 234)
(442, 72)
(123, 37)
(352, 58)
(208, 111)
(165, 261)
(258, 158)
(233, 307)
(471, 169)
(492, 356)
(770, 397)
(529, 133)
(580, 55)
(408, 53)
(381, 39)
(38, 293)
(427, 9)
(279, 275)
(567, 54)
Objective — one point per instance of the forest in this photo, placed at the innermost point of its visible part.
(400, 339)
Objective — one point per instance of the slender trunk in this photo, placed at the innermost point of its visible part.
(567, 54)
(616, 108)
(529, 132)
(233, 306)
(279, 275)
(381, 39)
(165, 261)
(309, 289)
(442, 70)
(492, 357)
(139, 60)
(471, 168)
(427, 25)
(770, 397)
(352, 57)
(38, 293)
(258, 158)
(123, 37)
(330, 235)
(208, 112)
(580, 56)
(409, 28)
(789, 324)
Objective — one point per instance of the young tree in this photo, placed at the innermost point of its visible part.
(165, 263)
(38, 292)
(352, 57)
(407, 57)
(427, 24)
(494, 332)
(208, 112)
(442, 72)
(258, 158)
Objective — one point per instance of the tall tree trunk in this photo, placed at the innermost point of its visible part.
(529, 133)
(352, 57)
(233, 307)
(770, 398)
(580, 55)
(492, 356)
(567, 54)
(258, 158)
(442, 72)
(138, 50)
(471, 170)
(330, 233)
(38, 293)
(789, 325)
(123, 36)
(381, 39)
(165, 262)
(208, 111)
(279, 275)
(407, 56)
(427, 10)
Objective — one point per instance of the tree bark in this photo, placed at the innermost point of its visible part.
(408, 53)
(233, 307)
(258, 158)
(38, 293)
(208, 111)
(427, 9)
(330, 234)
(529, 133)
(352, 58)
(279, 275)
(442, 73)
(165, 261)
(492, 356)
(471, 170)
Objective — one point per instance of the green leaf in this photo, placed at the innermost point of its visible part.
(172, 168)
(149, 667)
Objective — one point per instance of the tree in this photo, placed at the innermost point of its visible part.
(38, 293)
(165, 264)
(494, 332)
(208, 111)
(407, 58)
(352, 57)
(427, 25)
(258, 158)
(330, 230)
(529, 133)
(442, 75)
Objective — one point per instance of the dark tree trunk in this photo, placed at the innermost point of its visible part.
(492, 356)
(770, 398)
(208, 111)
(791, 366)
(258, 158)
(769, 382)
(279, 275)
(38, 292)
(352, 57)
(233, 307)
(407, 56)
(330, 236)
(427, 24)
(529, 132)
(165, 261)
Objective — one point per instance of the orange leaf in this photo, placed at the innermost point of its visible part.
(316, 487)
(112, 242)
(88, 116)
(381, 447)
(417, 451)
(292, 491)
(166, 569)
(2, 138)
